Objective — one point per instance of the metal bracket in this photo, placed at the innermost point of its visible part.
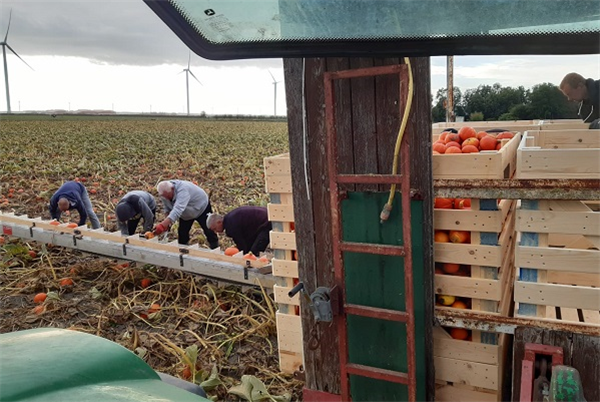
(248, 265)
(181, 260)
(319, 301)
(124, 249)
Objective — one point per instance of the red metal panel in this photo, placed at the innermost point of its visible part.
(311, 395)
(526, 380)
(369, 178)
(378, 373)
(532, 349)
(369, 248)
(374, 312)
(336, 225)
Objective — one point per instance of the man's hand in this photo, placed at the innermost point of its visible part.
(162, 227)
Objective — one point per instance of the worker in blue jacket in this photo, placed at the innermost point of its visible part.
(73, 195)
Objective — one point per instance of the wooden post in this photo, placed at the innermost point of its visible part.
(365, 147)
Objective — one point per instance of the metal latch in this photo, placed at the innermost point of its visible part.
(319, 301)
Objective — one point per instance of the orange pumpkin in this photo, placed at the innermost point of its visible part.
(469, 149)
(467, 132)
(443, 203)
(230, 251)
(488, 143)
(459, 236)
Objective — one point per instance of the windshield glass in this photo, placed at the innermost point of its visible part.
(224, 29)
(227, 21)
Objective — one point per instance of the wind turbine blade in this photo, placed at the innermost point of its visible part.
(7, 29)
(182, 71)
(189, 59)
(195, 78)
(271, 75)
(15, 53)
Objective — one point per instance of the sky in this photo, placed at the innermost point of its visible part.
(118, 55)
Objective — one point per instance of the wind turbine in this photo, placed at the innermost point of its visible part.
(187, 81)
(275, 82)
(5, 45)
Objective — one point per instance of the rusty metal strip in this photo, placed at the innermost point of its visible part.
(526, 189)
(367, 72)
(496, 323)
(369, 178)
(336, 228)
(369, 248)
(375, 312)
(378, 373)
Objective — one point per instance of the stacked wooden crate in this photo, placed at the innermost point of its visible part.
(557, 256)
(473, 367)
(285, 266)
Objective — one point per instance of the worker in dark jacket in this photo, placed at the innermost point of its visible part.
(134, 206)
(587, 93)
(249, 228)
(73, 195)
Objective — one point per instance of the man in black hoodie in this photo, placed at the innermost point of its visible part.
(587, 93)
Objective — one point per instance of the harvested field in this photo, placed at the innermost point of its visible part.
(233, 331)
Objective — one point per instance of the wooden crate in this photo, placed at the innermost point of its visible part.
(490, 254)
(483, 165)
(558, 261)
(285, 267)
(559, 154)
(468, 371)
(473, 369)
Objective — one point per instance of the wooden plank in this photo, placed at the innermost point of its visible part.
(289, 332)
(290, 362)
(569, 314)
(278, 184)
(544, 294)
(469, 373)
(465, 350)
(468, 254)
(592, 317)
(281, 296)
(285, 268)
(559, 259)
(304, 90)
(280, 212)
(470, 220)
(478, 288)
(8, 217)
(573, 278)
(277, 165)
(449, 393)
(101, 234)
(364, 133)
(583, 223)
(283, 241)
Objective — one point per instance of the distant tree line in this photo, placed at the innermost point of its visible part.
(495, 102)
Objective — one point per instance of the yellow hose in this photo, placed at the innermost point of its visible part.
(385, 213)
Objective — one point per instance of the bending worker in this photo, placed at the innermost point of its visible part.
(187, 202)
(134, 206)
(587, 93)
(249, 228)
(73, 195)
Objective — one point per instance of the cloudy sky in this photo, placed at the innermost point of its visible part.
(117, 54)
